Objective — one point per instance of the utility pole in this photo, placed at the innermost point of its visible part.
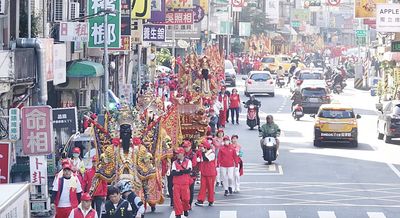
(106, 73)
(29, 20)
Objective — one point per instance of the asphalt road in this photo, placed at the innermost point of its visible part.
(333, 181)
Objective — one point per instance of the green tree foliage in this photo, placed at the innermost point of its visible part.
(163, 57)
(257, 18)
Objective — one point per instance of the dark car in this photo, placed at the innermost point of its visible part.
(230, 73)
(313, 98)
(388, 125)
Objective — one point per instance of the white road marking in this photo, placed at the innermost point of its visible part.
(376, 215)
(326, 214)
(277, 214)
(227, 214)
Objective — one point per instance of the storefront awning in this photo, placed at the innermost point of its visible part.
(85, 69)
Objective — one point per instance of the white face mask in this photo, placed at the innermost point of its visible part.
(226, 142)
(209, 141)
(75, 155)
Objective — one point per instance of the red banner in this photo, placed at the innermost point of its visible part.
(5, 153)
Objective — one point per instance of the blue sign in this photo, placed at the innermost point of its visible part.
(154, 33)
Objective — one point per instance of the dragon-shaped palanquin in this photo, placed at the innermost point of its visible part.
(199, 83)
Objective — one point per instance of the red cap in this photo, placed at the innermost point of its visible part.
(76, 150)
(64, 161)
(211, 110)
(209, 137)
(206, 145)
(220, 130)
(67, 166)
(93, 116)
(86, 197)
(186, 144)
(226, 138)
(136, 141)
(179, 151)
(116, 141)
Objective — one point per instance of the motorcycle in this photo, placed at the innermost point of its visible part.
(251, 115)
(280, 81)
(269, 148)
(337, 89)
(297, 112)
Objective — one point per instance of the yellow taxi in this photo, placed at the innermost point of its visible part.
(336, 123)
(272, 62)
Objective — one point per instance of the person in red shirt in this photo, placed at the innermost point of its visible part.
(227, 161)
(234, 106)
(208, 175)
(191, 155)
(180, 171)
(223, 98)
(100, 193)
(84, 209)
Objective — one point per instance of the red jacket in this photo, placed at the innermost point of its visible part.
(208, 167)
(227, 157)
(79, 214)
(73, 196)
(225, 102)
(235, 101)
(101, 190)
(185, 178)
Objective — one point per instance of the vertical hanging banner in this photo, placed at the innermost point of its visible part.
(14, 124)
(272, 11)
(5, 155)
(141, 9)
(59, 63)
(38, 170)
(125, 17)
(37, 130)
(96, 24)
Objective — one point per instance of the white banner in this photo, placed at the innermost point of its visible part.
(74, 31)
(272, 11)
(38, 170)
(388, 18)
(59, 63)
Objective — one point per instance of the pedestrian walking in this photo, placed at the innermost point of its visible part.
(213, 121)
(234, 106)
(191, 155)
(84, 209)
(181, 169)
(239, 169)
(227, 161)
(100, 192)
(223, 98)
(116, 207)
(66, 192)
(137, 205)
(218, 143)
(208, 175)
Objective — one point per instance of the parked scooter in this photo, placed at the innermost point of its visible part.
(297, 112)
(269, 148)
(251, 115)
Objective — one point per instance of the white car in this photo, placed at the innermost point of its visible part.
(310, 77)
(259, 82)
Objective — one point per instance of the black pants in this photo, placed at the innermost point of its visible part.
(96, 204)
(227, 116)
(233, 111)
(170, 188)
(191, 194)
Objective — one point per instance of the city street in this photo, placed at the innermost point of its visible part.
(305, 181)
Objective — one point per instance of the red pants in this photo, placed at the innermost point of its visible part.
(222, 117)
(181, 198)
(207, 185)
(63, 212)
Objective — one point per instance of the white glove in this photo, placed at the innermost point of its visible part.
(168, 172)
(198, 159)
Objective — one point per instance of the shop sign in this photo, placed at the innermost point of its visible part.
(14, 124)
(37, 130)
(395, 46)
(5, 156)
(38, 170)
(154, 33)
(388, 18)
(141, 9)
(96, 24)
(74, 32)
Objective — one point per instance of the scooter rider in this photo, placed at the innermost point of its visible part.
(270, 128)
(280, 73)
(296, 98)
(337, 79)
(256, 103)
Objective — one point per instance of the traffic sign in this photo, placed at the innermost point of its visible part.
(395, 46)
(361, 33)
(361, 41)
(333, 2)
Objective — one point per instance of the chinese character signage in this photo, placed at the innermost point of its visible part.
(366, 9)
(125, 44)
(64, 124)
(141, 9)
(14, 124)
(74, 31)
(37, 130)
(388, 18)
(38, 170)
(59, 63)
(179, 3)
(47, 61)
(125, 17)
(96, 24)
(5, 153)
(153, 33)
(178, 17)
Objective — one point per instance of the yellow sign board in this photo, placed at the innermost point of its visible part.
(366, 8)
(141, 9)
(179, 3)
(204, 5)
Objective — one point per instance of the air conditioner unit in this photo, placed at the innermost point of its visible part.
(59, 10)
(73, 10)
